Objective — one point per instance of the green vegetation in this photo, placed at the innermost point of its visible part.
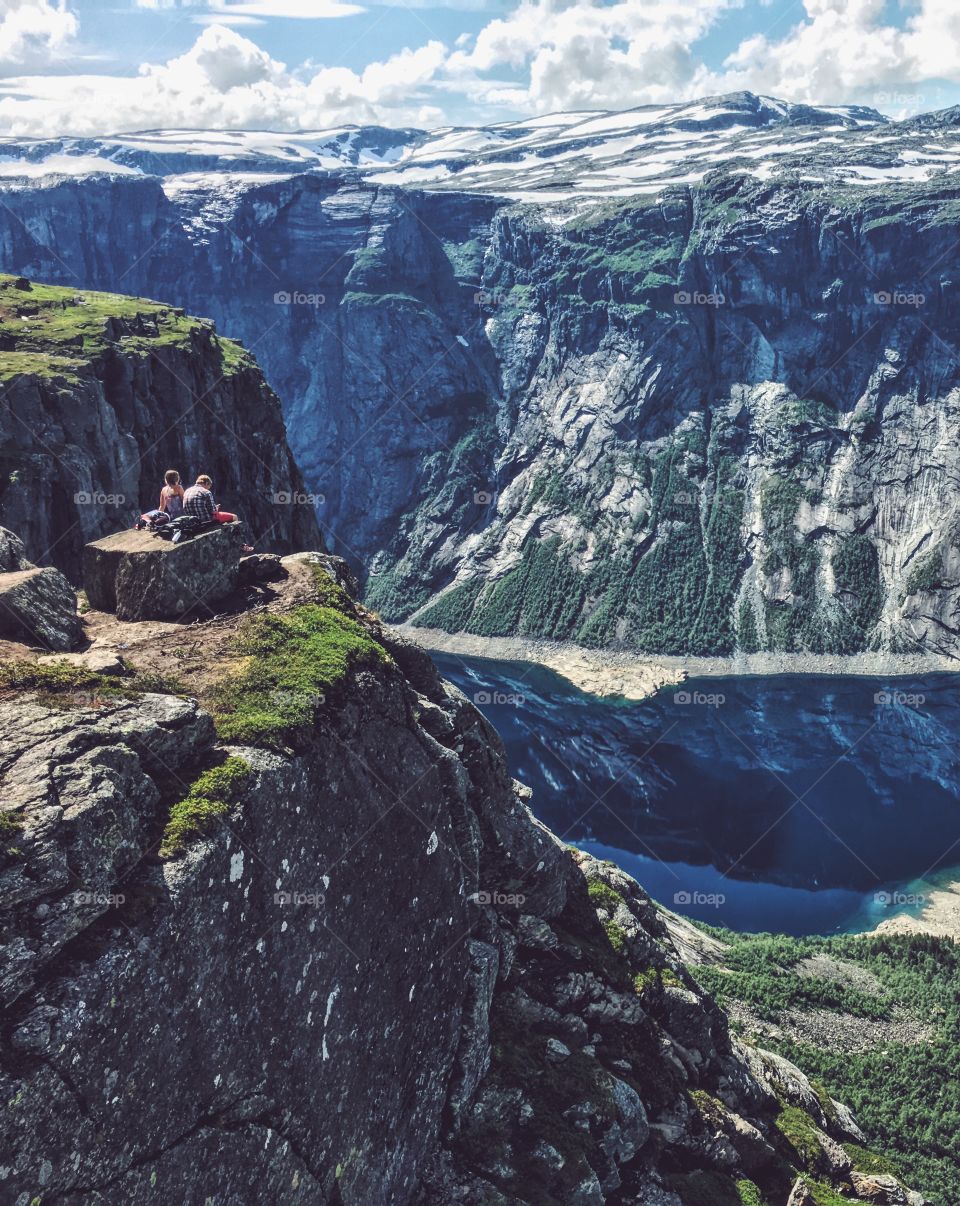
(62, 685)
(856, 570)
(602, 896)
(713, 1189)
(905, 1097)
(926, 575)
(292, 662)
(209, 797)
(57, 331)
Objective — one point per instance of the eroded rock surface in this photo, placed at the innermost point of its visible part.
(376, 978)
(140, 576)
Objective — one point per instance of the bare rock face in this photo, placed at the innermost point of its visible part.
(39, 606)
(375, 979)
(141, 577)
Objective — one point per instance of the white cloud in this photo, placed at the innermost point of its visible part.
(543, 55)
(226, 81)
(33, 33)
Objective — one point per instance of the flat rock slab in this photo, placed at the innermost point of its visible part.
(98, 661)
(141, 577)
(39, 607)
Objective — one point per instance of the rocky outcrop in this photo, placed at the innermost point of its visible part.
(373, 976)
(102, 394)
(140, 576)
(37, 605)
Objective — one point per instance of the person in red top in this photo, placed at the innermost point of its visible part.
(171, 496)
(198, 501)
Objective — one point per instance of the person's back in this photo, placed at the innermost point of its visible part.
(198, 500)
(171, 496)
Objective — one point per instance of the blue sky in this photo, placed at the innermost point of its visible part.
(100, 66)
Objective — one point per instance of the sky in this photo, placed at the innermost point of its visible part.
(88, 67)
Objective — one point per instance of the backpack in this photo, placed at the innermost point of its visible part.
(181, 528)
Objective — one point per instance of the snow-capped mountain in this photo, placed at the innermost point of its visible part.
(557, 157)
(696, 392)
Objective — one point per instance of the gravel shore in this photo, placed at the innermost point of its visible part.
(635, 676)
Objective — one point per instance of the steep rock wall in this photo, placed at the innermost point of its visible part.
(745, 391)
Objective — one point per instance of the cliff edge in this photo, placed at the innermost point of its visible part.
(278, 926)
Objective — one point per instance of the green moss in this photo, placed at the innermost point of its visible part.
(293, 660)
(210, 796)
(603, 896)
(800, 1132)
(871, 1162)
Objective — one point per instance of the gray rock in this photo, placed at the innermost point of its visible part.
(12, 553)
(261, 567)
(39, 606)
(141, 577)
(99, 661)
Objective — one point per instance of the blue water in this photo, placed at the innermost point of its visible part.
(800, 804)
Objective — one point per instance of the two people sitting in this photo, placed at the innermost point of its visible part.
(197, 500)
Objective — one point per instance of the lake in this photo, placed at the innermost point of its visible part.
(803, 804)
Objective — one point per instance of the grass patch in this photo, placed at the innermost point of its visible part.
(602, 896)
(211, 795)
(293, 661)
(57, 331)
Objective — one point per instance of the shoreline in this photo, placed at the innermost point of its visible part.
(613, 673)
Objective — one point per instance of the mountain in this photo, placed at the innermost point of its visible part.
(283, 929)
(103, 393)
(678, 379)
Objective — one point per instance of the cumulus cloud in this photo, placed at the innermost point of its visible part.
(225, 81)
(541, 56)
(34, 33)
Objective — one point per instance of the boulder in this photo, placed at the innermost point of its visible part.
(261, 567)
(141, 577)
(12, 553)
(39, 606)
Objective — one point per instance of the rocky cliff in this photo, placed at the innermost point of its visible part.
(285, 930)
(101, 394)
(714, 412)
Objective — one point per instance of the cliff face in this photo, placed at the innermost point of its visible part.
(358, 969)
(745, 390)
(102, 394)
